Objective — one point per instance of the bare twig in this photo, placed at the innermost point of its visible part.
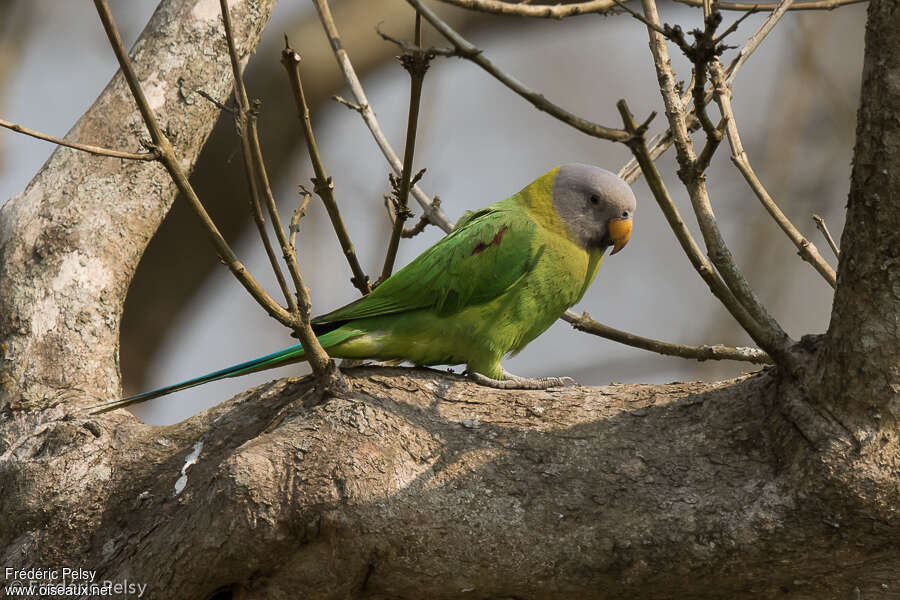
(659, 144)
(245, 122)
(322, 366)
(421, 224)
(811, 5)
(638, 16)
(807, 249)
(545, 11)
(170, 161)
(325, 369)
(416, 47)
(820, 224)
(348, 104)
(557, 10)
(469, 52)
(768, 334)
(434, 214)
(753, 43)
(416, 63)
(153, 154)
(242, 119)
(323, 184)
(295, 218)
(679, 228)
(584, 322)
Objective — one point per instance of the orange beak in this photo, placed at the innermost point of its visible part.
(619, 232)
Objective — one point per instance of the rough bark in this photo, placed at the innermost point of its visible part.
(69, 244)
(420, 484)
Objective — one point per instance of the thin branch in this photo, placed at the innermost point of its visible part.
(295, 218)
(701, 264)
(421, 224)
(807, 249)
(435, 215)
(585, 323)
(245, 121)
(153, 154)
(820, 224)
(561, 11)
(242, 124)
(734, 26)
(767, 333)
(638, 16)
(812, 5)
(170, 161)
(756, 39)
(408, 47)
(469, 52)
(554, 11)
(416, 63)
(323, 185)
(660, 143)
(242, 120)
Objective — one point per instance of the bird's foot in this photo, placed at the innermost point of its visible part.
(514, 382)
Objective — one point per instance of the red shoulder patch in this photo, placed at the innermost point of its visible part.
(481, 247)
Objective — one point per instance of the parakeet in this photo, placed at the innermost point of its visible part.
(497, 281)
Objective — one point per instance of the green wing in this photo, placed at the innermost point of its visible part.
(486, 254)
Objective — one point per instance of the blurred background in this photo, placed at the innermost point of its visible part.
(795, 102)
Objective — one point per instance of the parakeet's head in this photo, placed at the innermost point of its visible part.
(595, 205)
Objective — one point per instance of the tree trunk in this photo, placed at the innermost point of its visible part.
(420, 484)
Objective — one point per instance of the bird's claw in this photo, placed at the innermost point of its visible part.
(514, 382)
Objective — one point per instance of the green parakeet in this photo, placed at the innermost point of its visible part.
(497, 281)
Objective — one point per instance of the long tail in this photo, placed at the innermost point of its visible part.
(269, 361)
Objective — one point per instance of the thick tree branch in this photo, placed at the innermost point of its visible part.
(862, 359)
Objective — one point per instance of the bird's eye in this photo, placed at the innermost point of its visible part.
(595, 200)
(625, 214)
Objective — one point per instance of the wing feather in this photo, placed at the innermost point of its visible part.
(488, 252)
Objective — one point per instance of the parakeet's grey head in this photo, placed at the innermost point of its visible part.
(596, 206)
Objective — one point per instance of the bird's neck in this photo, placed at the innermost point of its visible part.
(537, 199)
